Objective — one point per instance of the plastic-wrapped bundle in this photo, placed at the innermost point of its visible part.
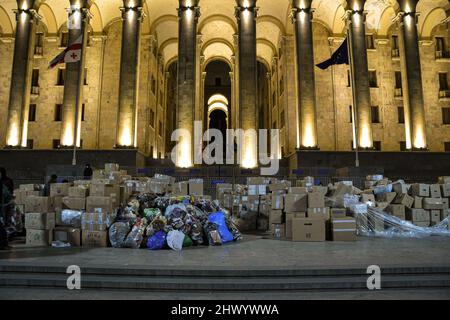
(175, 214)
(157, 241)
(118, 233)
(175, 240)
(197, 213)
(219, 219)
(135, 237)
(233, 229)
(377, 223)
(212, 232)
(159, 223)
(71, 218)
(151, 213)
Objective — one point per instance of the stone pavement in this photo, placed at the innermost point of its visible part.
(251, 253)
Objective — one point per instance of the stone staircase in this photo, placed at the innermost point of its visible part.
(225, 280)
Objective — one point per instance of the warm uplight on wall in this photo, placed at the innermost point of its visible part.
(126, 138)
(67, 137)
(249, 153)
(184, 155)
(13, 135)
(419, 138)
(365, 139)
(308, 136)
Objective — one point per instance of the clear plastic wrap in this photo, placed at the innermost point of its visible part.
(377, 223)
(71, 218)
(118, 233)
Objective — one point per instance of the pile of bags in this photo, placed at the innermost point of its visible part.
(159, 222)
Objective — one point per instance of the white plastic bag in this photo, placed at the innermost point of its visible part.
(175, 240)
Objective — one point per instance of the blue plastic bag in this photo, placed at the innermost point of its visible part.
(157, 241)
(218, 218)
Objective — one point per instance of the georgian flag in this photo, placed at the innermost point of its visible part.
(71, 54)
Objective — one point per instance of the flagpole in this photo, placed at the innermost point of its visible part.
(353, 84)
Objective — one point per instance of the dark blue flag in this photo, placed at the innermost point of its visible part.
(340, 56)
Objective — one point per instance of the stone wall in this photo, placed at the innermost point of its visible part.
(6, 61)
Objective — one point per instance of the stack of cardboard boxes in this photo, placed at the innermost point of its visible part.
(39, 220)
(422, 204)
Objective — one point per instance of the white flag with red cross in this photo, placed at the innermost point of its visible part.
(71, 54)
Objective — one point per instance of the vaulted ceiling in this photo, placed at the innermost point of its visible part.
(217, 23)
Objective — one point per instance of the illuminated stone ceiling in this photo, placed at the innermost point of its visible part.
(217, 23)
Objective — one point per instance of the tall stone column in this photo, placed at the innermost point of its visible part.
(306, 87)
(19, 98)
(246, 14)
(357, 38)
(412, 76)
(188, 15)
(132, 15)
(79, 16)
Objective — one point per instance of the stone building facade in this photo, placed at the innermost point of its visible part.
(218, 32)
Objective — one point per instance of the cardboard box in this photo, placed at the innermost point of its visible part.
(182, 188)
(307, 229)
(416, 215)
(59, 189)
(423, 224)
(418, 203)
(400, 188)
(295, 203)
(95, 221)
(405, 200)
(445, 203)
(41, 238)
(397, 210)
(281, 227)
(316, 200)
(102, 189)
(103, 203)
(94, 239)
(343, 229)
(386, 197)
(276, 217)
(368, 198)
(277, 201)
(57, 202)
(284, 185)
(338, 212)
(111, 167)
(445, 189)
(40, 221)
(77, 192)
(435, 217)
(319, 213)
(298, 190)
(420, 190)
(443, 180)
(445, 214)
(435, 191)
(382, 205)
(74, 203)
(433, 204)
(68, 235)
(257, 180)
(38, 204)
(196, 187)
(20, 196)
(27, 187)
(321, 189)
(289, 217)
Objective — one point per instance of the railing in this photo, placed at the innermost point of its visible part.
(442, 54)
(398, 92)
(395, 53)
(35, 90)
(444, 94)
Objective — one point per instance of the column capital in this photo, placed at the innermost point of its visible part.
(183, 8)
(139, 10)
(295, 11)
(31, 12)
(238, 10)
